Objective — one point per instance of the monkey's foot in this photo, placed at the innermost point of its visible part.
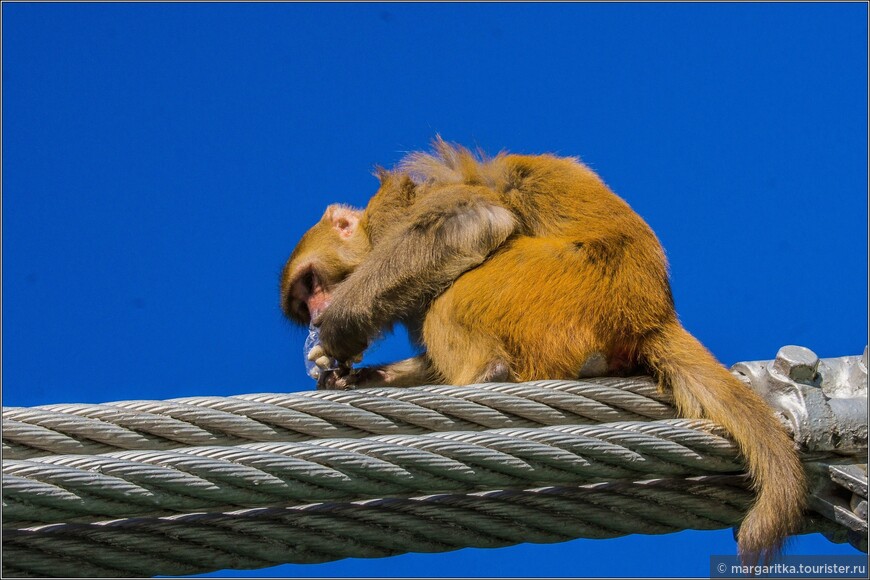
(335, 379)
(343, 379)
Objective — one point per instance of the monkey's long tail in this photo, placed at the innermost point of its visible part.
(703, 388)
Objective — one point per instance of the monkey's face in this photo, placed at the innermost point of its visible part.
(325, 256)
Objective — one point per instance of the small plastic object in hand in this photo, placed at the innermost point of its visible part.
(312, 341)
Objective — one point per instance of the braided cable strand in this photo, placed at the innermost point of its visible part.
(185, 486)
(30, 432)
(66, 488)
(314, 533)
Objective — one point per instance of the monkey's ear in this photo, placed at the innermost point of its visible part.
(344, 219)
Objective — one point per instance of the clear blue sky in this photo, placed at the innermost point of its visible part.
(161, 160)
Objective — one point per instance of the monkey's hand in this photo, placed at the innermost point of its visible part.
(344, 332)
(327, 363)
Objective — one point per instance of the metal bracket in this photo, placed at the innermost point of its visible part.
(824, 405)
(824, 402)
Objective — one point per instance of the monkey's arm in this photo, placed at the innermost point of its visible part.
(447, 233)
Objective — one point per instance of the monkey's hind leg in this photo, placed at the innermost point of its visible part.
(461, 353)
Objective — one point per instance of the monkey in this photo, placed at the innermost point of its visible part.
(517, 268)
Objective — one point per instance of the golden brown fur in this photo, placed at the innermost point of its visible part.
(520, 268)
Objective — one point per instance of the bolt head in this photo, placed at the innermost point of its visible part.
(797, 363)
(859, 506)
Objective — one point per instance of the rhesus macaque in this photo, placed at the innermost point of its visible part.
(517, 268)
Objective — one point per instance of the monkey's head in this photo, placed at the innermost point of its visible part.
(325, 256)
